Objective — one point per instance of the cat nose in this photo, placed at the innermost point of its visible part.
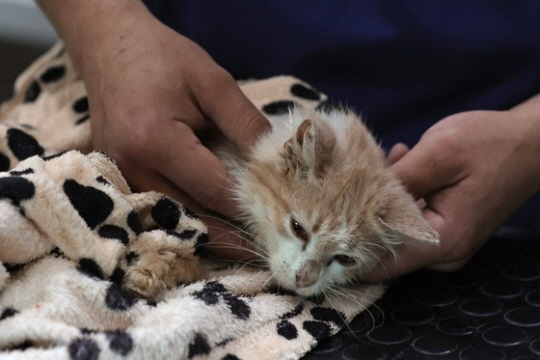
(308, 274)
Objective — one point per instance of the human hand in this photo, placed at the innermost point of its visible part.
(471, 171)
(151, 92)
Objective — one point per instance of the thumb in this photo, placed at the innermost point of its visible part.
(422, 172)
(398, 151)
(409, 256)
(226, 105)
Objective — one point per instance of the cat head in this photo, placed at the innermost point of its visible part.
(321, 202)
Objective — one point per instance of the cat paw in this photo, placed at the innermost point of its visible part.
(161, 264)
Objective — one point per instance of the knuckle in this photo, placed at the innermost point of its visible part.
(141, 146)
(139, 140)
(252, 123)
(447, 139)
(447, 146)
(220, 77)
(214, 78)
(184, 134)
(183, 130)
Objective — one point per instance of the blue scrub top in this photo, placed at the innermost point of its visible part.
(402, 64)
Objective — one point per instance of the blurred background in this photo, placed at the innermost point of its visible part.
(25, 33)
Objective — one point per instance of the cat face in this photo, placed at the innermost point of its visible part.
(321, 203)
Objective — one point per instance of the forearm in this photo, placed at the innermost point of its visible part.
(93, 27)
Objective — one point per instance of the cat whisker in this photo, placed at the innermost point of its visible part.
(373, 317)
(375, 258)
(242, 218)
(367, 311)
(252, 264)
(227, 222)
(263, 257)
(267, 280)
(337, 291)
(343, 292)
(380, 310)
(242, 266)
(258, 250)
(371, 252)
(382, 247)
(371, 256)
(246, 263)
(362, 271)
(378, 260)
(258, 247)
(240, 232)
(215, 238)
(347, 293)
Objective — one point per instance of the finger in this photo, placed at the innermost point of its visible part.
(229, 241)
(452, 221)
(182, 159)
(422, 173)
(224, 239)
(451, 266)
(231, 111)
(435, 220)
(408, 258)
(397, 152)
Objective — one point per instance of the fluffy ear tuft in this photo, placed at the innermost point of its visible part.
(311, 147)
(403, 220)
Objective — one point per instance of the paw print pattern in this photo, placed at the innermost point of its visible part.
(97, 225)
(23, 145)
(70, 225)
(93, 205)
(214, 291)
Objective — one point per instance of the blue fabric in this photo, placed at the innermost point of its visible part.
(402, 64)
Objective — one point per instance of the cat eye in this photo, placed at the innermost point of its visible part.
(299, 231)
(345, 260)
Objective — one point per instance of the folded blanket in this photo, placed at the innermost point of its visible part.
(73, 237)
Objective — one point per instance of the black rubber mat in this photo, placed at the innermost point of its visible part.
(488, 310)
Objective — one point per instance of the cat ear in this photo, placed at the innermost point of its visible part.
(403, 221)
(311, 146)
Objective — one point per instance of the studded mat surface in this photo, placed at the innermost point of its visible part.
(490, 310)
(72, 235)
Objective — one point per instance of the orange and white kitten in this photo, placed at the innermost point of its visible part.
(320, 200)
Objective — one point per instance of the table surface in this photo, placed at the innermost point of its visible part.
(488, 310)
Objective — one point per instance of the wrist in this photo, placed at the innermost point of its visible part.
(93, 29)
(528, 116)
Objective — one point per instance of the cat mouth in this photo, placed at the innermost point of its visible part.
(308, 291)
(311, 295)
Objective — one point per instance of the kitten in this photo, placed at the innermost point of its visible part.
(318, 198)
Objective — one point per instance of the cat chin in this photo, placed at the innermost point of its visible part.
(307, 292)
(310, 291)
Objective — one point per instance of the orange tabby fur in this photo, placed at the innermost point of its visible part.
(320, 201)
